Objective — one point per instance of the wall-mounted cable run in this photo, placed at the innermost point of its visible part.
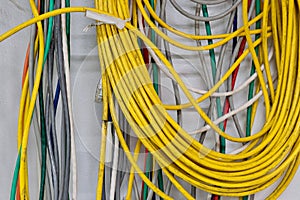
(242, 60)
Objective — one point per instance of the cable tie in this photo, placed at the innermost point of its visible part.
(105, 19)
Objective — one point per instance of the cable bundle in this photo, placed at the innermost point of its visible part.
(131, 99)
(43, 55)
(269, 154)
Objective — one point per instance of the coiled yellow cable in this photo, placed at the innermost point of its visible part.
(173, 148)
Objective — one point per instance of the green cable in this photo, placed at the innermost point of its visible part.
(251, 86)
(156, 87)
(149, 157)
(68, 28)
(15, 177)
(42, 117)
(43, 142)
(148, 169)
(214, 69)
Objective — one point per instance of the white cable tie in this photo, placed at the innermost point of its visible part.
(106, 19)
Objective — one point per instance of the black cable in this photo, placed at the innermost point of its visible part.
(43, 140)
(42, 124)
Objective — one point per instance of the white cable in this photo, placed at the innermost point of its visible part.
(114, 169)
(226, 116)
(154, 179)
(67, 73)
(198, 91)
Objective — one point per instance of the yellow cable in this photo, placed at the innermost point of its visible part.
(131, 176)
(23, 165)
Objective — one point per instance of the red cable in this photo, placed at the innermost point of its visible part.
(234, 76)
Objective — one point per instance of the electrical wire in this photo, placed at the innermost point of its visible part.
(65, 23)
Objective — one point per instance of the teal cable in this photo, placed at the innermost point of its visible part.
(251, 86)
(148, 171)
(214, 69)
(68, 18)
(68, 28)
(15, 177)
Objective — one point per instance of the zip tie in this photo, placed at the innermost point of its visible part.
(106, 19)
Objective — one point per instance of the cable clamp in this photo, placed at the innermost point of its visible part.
(105, 19)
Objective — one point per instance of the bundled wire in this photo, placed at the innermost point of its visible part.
(269, 156)
(45, 128)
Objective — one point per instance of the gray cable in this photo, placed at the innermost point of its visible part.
(162, 15)
(66, 135)
(208, 80)
(50, 150)
(49, 122)
(51, 107)
(207, 74)
(219, 69)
